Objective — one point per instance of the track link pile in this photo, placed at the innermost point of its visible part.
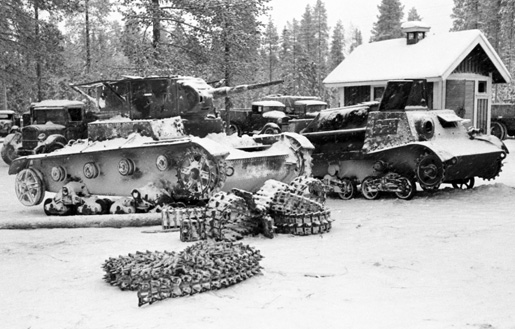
(204, 266)
(296, 208)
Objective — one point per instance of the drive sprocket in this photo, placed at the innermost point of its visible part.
(429, 171)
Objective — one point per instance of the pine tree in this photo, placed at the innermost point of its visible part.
(388, 25)
(356, 39)
(413, 15)
(337, 46)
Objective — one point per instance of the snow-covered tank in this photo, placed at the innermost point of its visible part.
(388, 146)
(153, 162)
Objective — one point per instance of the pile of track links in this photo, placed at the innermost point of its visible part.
(296, 208)
(206, 265)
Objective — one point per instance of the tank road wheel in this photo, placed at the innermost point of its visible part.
(498, 129)
(348, 189)
(368, 188)
(29, 187)
(429, 171)
(464, 184)
(199, 174)
(408, 188)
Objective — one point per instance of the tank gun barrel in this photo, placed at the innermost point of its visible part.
(226, 91)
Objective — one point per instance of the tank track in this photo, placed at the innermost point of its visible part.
(204, 266)
(295, 208)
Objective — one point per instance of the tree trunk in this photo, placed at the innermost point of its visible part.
(88, 48)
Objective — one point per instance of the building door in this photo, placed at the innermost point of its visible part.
(482, 106)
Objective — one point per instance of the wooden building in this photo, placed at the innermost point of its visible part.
(460, 68)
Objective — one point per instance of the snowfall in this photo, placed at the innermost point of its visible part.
(441, 260)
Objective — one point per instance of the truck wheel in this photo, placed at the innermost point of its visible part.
(368, 189)
(498, 129)
(233, 129)
(9, 153)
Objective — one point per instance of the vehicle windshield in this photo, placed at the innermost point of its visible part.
(315, 108)
(50, 115)
(5, 116)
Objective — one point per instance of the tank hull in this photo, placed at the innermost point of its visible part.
(161, 164)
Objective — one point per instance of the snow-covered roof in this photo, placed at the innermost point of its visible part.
(310, 102)
(268, 103)
(57, 103)
(433, 58)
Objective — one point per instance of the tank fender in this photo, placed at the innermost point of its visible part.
(442, 154)
(302, 140)
(492, 140)
(18, 165)
(214, 148)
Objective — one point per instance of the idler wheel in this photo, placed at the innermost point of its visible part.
(429, 171)
(348, 189)
(368, 188)
(464, 184)
(29, 187)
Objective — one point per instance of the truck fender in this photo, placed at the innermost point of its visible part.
(13, 139)
(50, 144)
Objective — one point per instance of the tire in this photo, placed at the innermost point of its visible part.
(9, 153)
(498, 129)
(409, 191)
(271, 131)
(349, 189)
(30, 188)
(464, 184)
(233, 128)
(367, 190)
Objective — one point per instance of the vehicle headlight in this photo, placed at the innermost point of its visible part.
(41, 137)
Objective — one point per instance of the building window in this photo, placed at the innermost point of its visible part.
(481, 87)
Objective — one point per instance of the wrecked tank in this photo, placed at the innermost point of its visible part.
(151, 163)
(137, 98)
(392, 145)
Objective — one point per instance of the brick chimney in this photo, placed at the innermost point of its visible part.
(415, 31)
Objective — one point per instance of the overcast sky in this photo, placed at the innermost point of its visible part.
(363, 13)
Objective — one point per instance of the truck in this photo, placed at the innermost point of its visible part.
(51, 125)
(8, 120)
(502, 122)
(272, 114)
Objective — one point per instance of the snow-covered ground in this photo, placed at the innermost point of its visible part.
(445, 260)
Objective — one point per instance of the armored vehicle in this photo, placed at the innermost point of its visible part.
(55, 122)
(52, 124)
(391, 146)
(164, 97)
(152, 162)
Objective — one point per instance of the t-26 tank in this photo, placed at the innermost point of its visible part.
(150, 163)
(391, 145)
(136, 98)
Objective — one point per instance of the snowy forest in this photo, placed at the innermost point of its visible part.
(47, 44)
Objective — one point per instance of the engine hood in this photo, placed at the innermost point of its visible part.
(47, 127)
